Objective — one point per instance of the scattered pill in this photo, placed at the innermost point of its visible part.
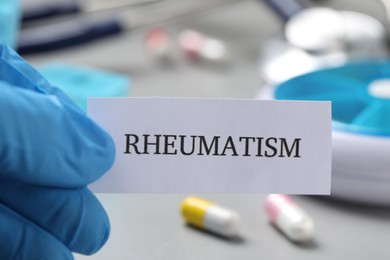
(197, 46)
(191, 43)
(206, 215)
(213, 50)
(159, 44)
(286, 215)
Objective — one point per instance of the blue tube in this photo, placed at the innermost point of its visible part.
(9, 12)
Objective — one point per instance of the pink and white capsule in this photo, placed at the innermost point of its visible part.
(286, 215)
(158, 43)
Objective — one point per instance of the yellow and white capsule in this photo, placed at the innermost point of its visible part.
(206, 215)
(289, 217)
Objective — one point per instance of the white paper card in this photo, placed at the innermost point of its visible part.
(180, 145)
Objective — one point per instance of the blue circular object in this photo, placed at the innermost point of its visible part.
(360, 95)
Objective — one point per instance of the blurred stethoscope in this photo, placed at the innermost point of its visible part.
(319, 37)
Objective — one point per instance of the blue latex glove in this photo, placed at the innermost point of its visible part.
(49, 152)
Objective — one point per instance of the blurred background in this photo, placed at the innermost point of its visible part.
(248, 49)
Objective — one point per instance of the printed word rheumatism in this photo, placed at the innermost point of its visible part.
(199, 145)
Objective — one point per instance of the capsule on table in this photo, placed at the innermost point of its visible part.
(214, 51)
(286, 215)
(159, 44)
(206, 215)
(191, 43)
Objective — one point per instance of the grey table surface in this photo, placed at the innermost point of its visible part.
(149, 226)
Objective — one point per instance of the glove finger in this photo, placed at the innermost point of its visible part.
(42, 143)
(74, 216)
(23, 240)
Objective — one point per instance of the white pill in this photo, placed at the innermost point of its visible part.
(286, 215)
(213, 50)
(206, 215)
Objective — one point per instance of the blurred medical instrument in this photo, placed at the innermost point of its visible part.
(10, 12)
(50, 152)
(206, 215)
(91, 27)
(318, 37)
(360, 95)
(289, 218)
(79, 83)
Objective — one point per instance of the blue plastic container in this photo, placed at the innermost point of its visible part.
(360, 95)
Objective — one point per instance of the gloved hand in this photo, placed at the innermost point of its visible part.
(49, 152)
